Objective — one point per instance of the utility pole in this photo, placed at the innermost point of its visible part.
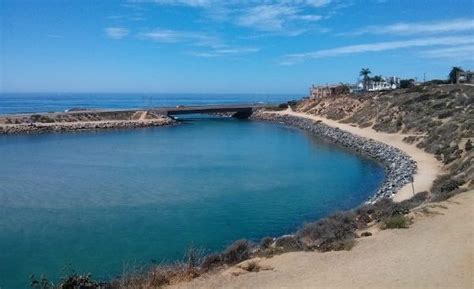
(424, 77)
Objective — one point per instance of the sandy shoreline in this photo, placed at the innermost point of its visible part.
(428, 167)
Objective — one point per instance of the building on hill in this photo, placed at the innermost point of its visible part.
(380, 83)
(322, 91)
(465, 77)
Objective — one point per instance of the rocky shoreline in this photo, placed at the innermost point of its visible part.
(33, 128)
(399, 167)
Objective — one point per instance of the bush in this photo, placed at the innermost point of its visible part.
(237, 252)
(407, 83)
(252, 267)
(211, 261)
(333, 233)
(446, 186)
(266, 242)
(366, 234)
(71, 281)
(468, 145)
(289, 243)
(74, 281)
(416, 200)
(386, 208)
(396, 222)
(193, 257)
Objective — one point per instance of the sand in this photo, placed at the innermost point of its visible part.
(428, 167)
(435, 252)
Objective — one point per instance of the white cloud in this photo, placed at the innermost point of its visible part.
(229, 51)
(192, 3)
(406, 28)
(458, 52)
(266, 17)
(273, 17)
(196, 39)
(164, 35)
(116, 32)
(207, 3)
(377, 47)
(283, 16)
(175, 36)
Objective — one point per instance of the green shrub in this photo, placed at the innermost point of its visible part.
(289, 243)
(396, 222)
(446, 186)
(387, 208)
(237, 252)
(416, 200)
(252, 267)
(211, 261)
(75, 281)
(468, 145)
(333, 233)
(266, 242)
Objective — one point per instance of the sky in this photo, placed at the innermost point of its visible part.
(208, 46)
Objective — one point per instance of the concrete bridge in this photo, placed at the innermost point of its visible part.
(240, 111)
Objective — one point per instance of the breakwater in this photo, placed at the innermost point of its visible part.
(79, 126)
(399, 167)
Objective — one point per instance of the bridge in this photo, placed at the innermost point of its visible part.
(240, 111)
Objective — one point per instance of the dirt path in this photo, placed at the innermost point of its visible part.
(435, 252)
(428, 167)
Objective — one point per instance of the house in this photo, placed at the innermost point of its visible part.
(465, 77)
(380, 83)
(322, 91)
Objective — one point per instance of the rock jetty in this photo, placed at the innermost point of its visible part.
(30, 128)
(399, 167)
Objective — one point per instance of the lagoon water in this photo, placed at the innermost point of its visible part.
(103, 201)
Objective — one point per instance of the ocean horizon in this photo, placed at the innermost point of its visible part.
(13, 103)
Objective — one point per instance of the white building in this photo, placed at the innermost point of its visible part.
(386, 83)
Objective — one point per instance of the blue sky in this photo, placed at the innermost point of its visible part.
(226, 46)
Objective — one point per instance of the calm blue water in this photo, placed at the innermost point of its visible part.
(102, 201)
(51, 102)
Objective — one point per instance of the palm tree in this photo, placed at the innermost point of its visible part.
(377, 78)
(364, 72)
(453, 75)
